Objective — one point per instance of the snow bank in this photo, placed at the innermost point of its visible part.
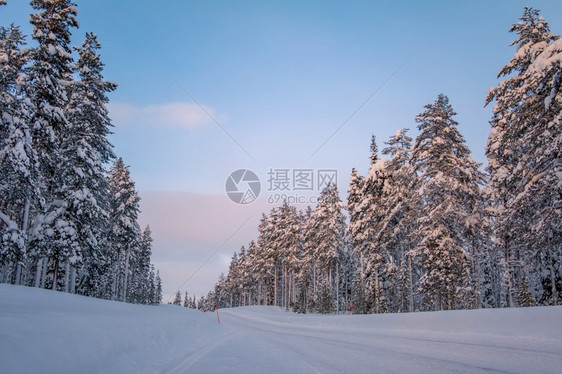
(42, 331)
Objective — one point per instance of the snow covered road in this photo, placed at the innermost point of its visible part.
(270, 340)
(51, 332)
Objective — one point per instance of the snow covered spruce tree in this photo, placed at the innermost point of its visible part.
(86, 151)
(253, 277)
(18, 158)
(139, 286)
(367, 214)
(378, 268)
(272, 256)
(177, 298)
(355, 233)
(157, 295)
(234, 280)
(347, 272)
(327, 238)
(449, 189)
(289, 242)
(186, 300)
(525, 162)
(306, 270)
(401, 208)
(124, 232)
(241, 284)
(262, 264)
(54, 235)
(525, 297)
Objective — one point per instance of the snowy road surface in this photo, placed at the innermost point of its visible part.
(50, 332)
(270, 340)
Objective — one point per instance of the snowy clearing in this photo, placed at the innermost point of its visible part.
(46, 332)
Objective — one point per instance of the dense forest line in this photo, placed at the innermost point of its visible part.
(66, 222)
(426, 228)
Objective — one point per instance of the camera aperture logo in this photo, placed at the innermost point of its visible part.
(243, 186)
(293, 186)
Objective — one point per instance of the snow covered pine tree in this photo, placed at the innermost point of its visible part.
(525, 162)
(449, 188)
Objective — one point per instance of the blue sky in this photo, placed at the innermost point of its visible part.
(280, 77)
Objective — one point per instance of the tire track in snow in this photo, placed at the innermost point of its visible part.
(282, 346)
(183, 364)
(405, 354)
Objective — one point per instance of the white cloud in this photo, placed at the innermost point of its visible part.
(175, 114)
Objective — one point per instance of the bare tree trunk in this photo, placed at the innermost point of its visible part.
(377, 291)
(19, 266)
(284, 287)
(25, 224)
(67, 277)
(294, 288)
(287, 288)
(114, 283)
(44, 272)
(476, 272)
(261, 292)
(55, 274)
(410, 276)
(338, 290)
(275, 285)
(73, 280)
(38, 273)
(2, 272)
(508, 276)
(314, 280)
(362, 282)
(552, 276)
(126, 275)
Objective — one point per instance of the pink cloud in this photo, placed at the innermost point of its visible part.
(187, 228)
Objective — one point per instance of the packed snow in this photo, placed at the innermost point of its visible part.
(42, 331)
